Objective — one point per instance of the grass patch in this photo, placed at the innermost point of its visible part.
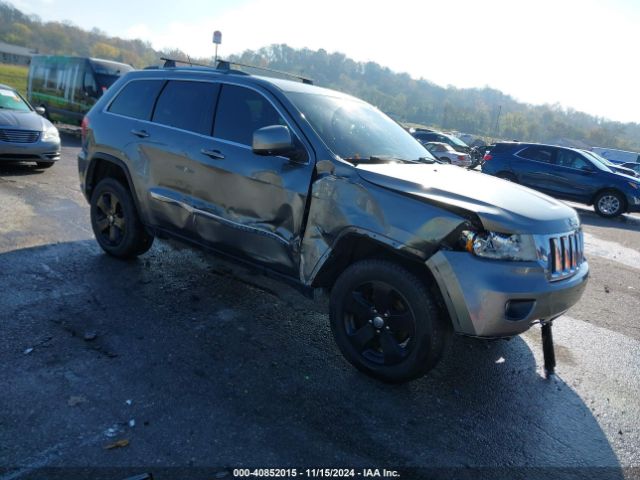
(15, 76)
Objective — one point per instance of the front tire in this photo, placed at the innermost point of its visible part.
(115, 221)
(609, 204)
(386, 322)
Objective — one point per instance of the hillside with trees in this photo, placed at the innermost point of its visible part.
(473, 110)
(479, 111)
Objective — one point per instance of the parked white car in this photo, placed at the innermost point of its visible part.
(447, 154)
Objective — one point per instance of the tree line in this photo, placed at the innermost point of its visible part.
(480, 111)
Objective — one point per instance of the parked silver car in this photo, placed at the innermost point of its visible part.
(447, 154)
(26, 136)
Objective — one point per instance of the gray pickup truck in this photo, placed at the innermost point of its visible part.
(323, 190)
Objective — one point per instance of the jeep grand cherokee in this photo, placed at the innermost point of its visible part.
(325, 191)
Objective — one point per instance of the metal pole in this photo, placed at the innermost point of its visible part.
(215, 62)
(547, 350)
(495, 132)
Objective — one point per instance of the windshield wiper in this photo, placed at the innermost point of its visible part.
(376, 159)
(427, 160)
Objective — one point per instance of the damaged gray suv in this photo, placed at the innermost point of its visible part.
(323, 190)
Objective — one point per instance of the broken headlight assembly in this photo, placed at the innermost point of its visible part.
(500, 246)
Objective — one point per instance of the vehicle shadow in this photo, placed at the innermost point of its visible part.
(623, 222)
(19, 169)
(224, 372)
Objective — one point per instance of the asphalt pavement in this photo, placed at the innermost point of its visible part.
(185, 366)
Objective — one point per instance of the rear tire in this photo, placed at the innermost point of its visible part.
(386, 321)
(609, 204)
(44, 164)
(446, 160)
(115, 221)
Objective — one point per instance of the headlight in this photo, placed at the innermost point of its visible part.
(500, 246)
(51, 133)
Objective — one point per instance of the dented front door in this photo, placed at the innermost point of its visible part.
(250, 205)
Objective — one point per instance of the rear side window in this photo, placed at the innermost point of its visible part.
(136, 99)
(187, 105)
(538, 154)
(241, 112)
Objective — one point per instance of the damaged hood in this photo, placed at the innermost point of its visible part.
(501, 206)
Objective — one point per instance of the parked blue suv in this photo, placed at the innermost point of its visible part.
(565, 173)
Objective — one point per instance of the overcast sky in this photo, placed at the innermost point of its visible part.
(581, 54)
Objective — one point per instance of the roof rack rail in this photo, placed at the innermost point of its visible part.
(226, 65)
(171, 63)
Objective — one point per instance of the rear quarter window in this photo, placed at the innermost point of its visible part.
(537, 154)
(136, 99)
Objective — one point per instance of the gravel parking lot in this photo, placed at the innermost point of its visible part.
(189, 367)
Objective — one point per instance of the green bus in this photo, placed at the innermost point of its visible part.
(67, 87)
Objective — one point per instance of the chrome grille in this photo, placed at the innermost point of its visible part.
(19, 136)
(566, 254)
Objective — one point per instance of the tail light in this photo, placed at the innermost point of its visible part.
(462, 158)
(487, 157)
(83, 128)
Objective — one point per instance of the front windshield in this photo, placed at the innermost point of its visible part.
(355, 130)
(11, 100)
(599, 161)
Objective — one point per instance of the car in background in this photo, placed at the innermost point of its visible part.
(67, 87)
(616, 167)
(446, 153)
(24, 134)
(565, 173)
(632, 166)
(425, 136)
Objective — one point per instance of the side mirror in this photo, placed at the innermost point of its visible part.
(273, 140)
(40, 111)
(586, 168)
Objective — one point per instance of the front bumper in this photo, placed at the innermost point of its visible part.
(633, 202)
(489, 298)
(41, 151)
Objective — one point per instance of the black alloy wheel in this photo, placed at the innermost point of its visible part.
(115, 221)
(379, 323)
(110, 220)
(386, 321)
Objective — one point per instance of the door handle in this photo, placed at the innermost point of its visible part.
(215, 154)
(140, 133)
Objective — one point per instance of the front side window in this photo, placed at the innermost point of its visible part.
(136, 99)
(241, 111)
(187, 105)
(567, 158)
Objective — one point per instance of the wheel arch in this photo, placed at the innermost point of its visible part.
(103, 165)
(592, 200)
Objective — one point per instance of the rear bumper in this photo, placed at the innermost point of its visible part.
(488, 298)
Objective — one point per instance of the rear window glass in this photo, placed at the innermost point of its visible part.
(187, 105)
(136, 99)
